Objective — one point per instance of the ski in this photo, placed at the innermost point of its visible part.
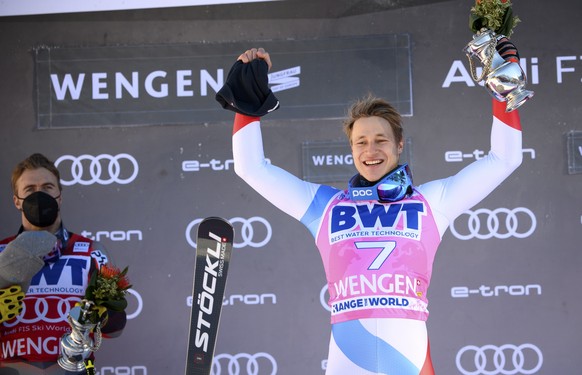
(213, 250)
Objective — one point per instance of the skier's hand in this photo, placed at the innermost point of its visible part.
(10, 302)
(507, 49)
(246, 90)
(255, 53)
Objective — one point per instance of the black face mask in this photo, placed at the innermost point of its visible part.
(40, 209)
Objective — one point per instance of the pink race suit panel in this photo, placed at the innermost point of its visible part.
(378, 257)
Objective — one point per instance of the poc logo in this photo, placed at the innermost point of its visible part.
(362, 193)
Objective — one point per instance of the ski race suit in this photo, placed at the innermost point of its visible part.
(378, 257)
(33, 337)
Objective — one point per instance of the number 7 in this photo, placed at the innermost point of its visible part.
(386, 249)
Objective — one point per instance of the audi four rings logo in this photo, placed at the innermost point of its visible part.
(324, 297)
(500, 223)
(506, 359)
(138, 306)
(101, 169)
(254, 232)
(38, 310)
(255, 364)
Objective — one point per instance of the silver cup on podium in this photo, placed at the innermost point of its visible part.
(504, 80)
(78, 345)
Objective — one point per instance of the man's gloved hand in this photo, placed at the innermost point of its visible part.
(102, 314)
(10, 302)
(507, 49)
(23, 257)
(96, 314)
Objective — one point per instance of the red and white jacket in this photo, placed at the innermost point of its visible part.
(34, 335)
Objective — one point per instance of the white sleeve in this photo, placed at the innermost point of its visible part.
(286, 191)
(451, 196)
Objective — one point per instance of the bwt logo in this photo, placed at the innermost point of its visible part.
(347, 217)
(255, 232)
(67, 270)
(102, 169)
(500, 223)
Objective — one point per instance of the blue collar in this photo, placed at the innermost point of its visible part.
(393, 187)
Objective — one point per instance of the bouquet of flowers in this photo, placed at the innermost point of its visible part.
(495, 15)
(106, 291)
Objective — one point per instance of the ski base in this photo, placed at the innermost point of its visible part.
(213, 251)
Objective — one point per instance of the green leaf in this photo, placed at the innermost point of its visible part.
(494, 15)
(115, 305)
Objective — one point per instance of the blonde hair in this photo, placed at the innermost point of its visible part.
(34, 161)
(373, 106)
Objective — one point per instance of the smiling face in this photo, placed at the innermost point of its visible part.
(374, 147)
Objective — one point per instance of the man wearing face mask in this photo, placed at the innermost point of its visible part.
(44, 270)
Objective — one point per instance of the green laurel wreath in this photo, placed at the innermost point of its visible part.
(495, 15)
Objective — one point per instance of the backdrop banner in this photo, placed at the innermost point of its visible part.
(124, 103)
(174, 84)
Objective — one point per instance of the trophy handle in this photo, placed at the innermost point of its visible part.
(482, 46)
(97, 338)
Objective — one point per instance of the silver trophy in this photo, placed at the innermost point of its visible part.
(504, 80)
(78, 345)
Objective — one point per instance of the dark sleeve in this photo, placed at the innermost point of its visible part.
(116, 320)
(115, 324)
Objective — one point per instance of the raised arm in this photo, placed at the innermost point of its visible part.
(286, 191)
(247, 93)
(451, 196)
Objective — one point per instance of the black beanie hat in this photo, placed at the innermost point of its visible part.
(247, 89)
